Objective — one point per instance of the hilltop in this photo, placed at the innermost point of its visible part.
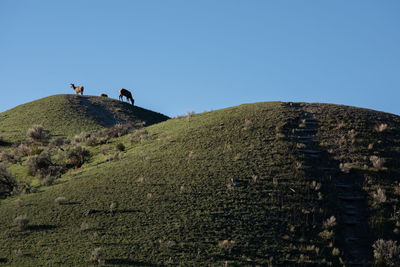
(259, 184)
(67, 115)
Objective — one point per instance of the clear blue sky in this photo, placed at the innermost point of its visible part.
(203, 55)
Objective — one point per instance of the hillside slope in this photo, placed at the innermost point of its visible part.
(255, 184)
(67, 115)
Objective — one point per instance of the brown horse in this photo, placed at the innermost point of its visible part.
(103, 95)
(78, 89)
(123, 92)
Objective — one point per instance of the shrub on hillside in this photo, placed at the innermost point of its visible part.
(38, 134)
(226, 245)
(48, 180)
(9, 156)
(140, 135)
(94, 140)
(329, 223)
(120, 147)
(119, 130)
(77, 156)
(377, 162)
(35, 151)
(39, 164)
(21, 222)
(381, 127)
(113, 206)
(386, 252)
(57, 142)
(114, 156)
(102, 136)
(24, 149)
(379, 196)
(42, 166)
(61, 200)
(79, 138)
(7, 182)
(97, 255)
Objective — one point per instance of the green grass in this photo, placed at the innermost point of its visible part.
(176, 199)
(67, 115)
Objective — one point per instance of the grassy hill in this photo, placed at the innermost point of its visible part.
(259, 184)
(67, 115)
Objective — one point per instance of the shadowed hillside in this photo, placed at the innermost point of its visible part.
(67, 115)
(270, 183)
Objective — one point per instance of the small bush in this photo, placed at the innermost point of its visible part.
(345, 167)
(57, 142)
(190, 115)
(24, 149)
(48, 180)
(10, 156)
(247, 124)
(35, 151)
(141, 135)
(377, 162)
(113, 206)
(381, 127)
(118, 130)
(379, 196)
(97, 255)
(38, 134)
(84, 226)
(386, 252)
(79, 138)
(61, 200)
(114, 156)
(120, 147)
(326, 235)
(329, 223)
(105, 149)
(21, 222)
(335, 252)
(94, 140)
(41, 165)
(7, 182)
(226, 245)
(77, 156)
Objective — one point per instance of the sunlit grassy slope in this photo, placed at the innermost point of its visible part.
(224, 187)
(66, 115)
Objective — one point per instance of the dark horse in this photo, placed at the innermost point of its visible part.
(123, 92)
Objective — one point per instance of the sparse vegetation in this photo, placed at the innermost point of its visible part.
(216, 193)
